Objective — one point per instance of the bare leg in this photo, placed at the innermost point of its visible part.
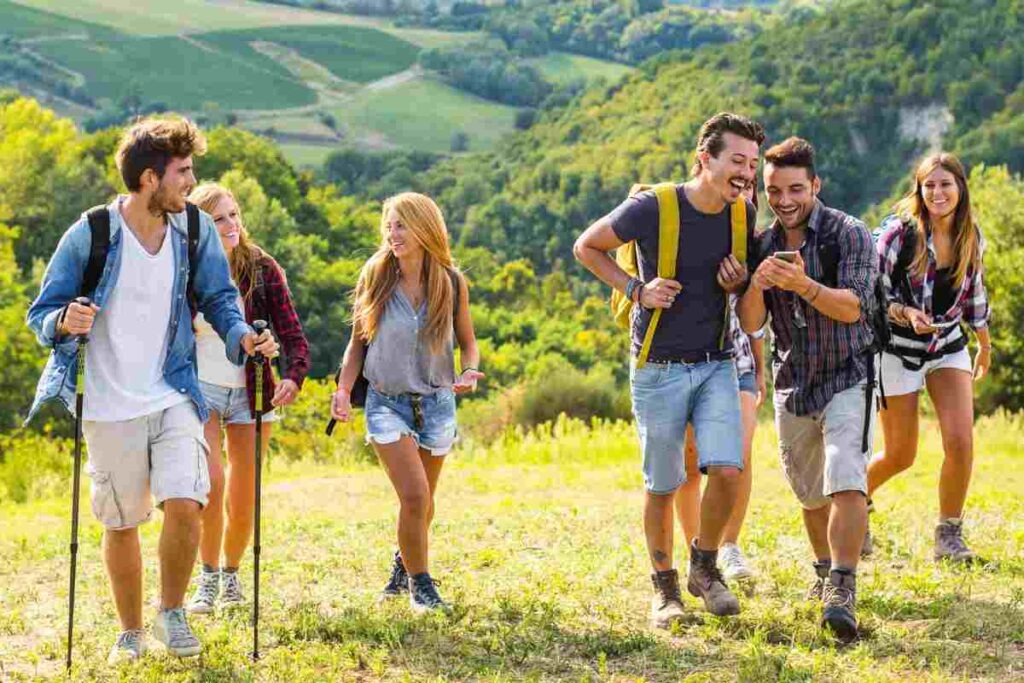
(432, 465)
(748, 409)
(717, 505)
(952, 393)
(899, 429)
(179, 541)
(847, 523)
(687, 497)
(241, 488)
(816, 522)
(409, 477)
(212, 516)
(123, 558)
(658, 529)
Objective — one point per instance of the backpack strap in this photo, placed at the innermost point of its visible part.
(99, 228)
(668, 252)
(738, 248)
(192, 215)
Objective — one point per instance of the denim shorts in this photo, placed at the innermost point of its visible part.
(667, 396)
(432, 424)
(232, 404)
(748, 383)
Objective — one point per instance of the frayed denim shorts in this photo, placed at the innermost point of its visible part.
(429, 419)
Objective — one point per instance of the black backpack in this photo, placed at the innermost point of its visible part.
(99, 227)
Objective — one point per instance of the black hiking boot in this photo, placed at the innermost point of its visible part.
(399, 581)
(423, 596)
(840, 605)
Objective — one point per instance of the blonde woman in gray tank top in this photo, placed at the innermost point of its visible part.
(411, 307)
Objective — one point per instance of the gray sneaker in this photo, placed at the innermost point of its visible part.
(231, 589)
(816, 593)
(706, 582)
(840, 599)
(734, 564)
(207, 589)
(949, 543)
(129, 646)
(171, 628)
(667, 602)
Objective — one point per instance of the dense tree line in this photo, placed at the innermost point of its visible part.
(490, 71)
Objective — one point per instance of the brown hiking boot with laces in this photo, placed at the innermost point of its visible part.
(666, 603)
(706, 582)
(816, 593)
(840, 600)
(949, 543)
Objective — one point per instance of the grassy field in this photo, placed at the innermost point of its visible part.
(424, 114)
(561, 67)
(537, 543)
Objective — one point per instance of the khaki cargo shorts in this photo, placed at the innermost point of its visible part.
(821, 452)
(159, 456)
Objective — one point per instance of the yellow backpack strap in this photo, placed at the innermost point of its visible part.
(668, 252)
(738, 221)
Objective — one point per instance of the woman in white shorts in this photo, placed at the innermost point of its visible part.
(230, 393)
(931, 251)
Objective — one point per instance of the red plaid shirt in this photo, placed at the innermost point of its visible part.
(273, 302)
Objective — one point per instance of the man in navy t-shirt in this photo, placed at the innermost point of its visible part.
(689, 375)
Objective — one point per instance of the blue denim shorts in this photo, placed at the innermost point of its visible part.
(667, 396)
(432, 424)
(748, 383)
(232, 404)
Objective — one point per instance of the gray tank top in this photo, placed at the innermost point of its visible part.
(398, 361)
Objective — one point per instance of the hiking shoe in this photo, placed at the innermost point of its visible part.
(666, 603)
(867, 547)
(230, 589)
(399, 581)
(706, 582)
(129, 646)
(423, 596)
(840, 598)
(207, 590)
(734, 564)
(949, 543)
(172, 629)
(816, 593)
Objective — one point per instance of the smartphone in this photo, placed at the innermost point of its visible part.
(788, 256)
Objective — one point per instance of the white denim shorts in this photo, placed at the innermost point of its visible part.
(898, 380)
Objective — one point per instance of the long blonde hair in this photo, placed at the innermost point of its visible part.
(966, 243)
(380, 274)
(247, 257)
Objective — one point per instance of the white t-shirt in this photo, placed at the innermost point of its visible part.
(128, 343)
(211, 356)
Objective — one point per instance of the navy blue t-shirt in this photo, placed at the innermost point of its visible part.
(694, 322)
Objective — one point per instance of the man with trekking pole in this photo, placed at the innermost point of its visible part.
(147, 261)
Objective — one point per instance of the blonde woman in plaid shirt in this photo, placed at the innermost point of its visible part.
(940, 290)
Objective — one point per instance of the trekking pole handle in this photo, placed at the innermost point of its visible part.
(259, 326)
(83, 301)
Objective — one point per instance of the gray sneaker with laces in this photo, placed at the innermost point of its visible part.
(129, 646)
(207, 590)
(950, 545)
(231, 589)
(171, 628)
(734, 564)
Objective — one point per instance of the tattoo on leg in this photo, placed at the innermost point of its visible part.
(660, 556)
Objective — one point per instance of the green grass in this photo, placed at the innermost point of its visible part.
(351, 53)
(305, 156)
(561, 67)
(538, 543)
(424, 114)
(27, 22)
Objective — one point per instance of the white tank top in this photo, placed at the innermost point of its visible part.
(211, 356)
(128, 343)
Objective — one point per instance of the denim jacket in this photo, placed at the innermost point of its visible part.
(216, 296)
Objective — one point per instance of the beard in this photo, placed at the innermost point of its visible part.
(164, 201)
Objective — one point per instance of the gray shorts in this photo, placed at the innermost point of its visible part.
(821, 452)
(158, 456)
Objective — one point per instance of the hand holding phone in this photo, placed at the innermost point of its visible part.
(787, 256)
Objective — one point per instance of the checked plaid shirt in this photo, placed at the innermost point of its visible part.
(813, 356)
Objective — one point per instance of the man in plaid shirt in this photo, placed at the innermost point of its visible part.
(814, 272)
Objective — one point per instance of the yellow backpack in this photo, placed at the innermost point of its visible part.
(668, 251)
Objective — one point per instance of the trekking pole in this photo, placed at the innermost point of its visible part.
(258, 360)
(83, 341)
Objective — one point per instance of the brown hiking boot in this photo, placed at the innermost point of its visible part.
(840, 605)
(705, 582)
(816, 593)
(667, 603)
(949, 543)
